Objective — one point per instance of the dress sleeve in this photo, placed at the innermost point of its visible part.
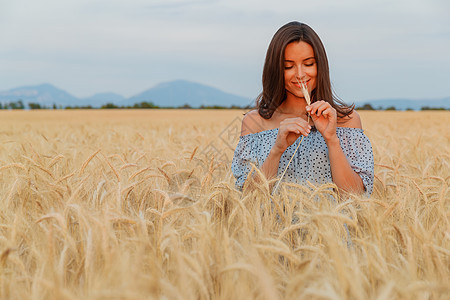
(358, 149)
(244, 154)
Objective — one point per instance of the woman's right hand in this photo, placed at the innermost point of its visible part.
(289, 131)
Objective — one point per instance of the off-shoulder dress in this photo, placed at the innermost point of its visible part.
(311, 162)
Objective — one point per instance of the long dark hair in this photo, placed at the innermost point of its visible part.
(274, 92)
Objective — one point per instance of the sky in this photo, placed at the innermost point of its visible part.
(376, 49)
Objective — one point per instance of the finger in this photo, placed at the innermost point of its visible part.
(303, 123)
(321, 109)
(312, 109)
(329, 112)
(303, 129)
(298, 121)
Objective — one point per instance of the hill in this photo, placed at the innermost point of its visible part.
(180, 92)
(44, 94)
(175, 94)
(168, 94)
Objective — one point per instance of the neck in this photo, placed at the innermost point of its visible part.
(293, 106)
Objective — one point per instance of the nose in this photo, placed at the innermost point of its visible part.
(300, 73)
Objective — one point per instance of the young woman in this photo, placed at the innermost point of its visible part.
(334, 148)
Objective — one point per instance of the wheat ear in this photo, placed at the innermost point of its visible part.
(308, 101)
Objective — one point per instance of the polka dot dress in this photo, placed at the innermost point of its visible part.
(311, 162)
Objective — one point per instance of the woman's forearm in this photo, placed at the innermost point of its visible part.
(341, 171)
(270, 166)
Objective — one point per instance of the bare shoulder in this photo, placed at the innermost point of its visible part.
(252, 123)
(352, 121)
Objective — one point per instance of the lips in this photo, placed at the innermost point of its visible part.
(298, 85)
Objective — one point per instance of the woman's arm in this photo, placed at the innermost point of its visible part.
(341, 171)
(270, 166)
(325, 119)
(289, 131)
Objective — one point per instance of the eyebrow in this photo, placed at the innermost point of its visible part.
(312, 57)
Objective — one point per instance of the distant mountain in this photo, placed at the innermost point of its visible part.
(175, 94)
(47, 95)
(403, 104)
(180, 92)
(168, 94)
(44, 94)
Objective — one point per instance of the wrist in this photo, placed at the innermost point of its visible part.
(332, 141)
(275, 151)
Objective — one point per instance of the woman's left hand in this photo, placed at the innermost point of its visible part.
(325, 118)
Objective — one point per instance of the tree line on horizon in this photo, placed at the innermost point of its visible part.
(141, 105)
(150, 105)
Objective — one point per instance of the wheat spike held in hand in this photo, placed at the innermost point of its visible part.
(308, 101)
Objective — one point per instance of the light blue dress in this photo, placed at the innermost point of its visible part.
(311, 162)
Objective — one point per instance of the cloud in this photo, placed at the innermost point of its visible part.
(85, 44)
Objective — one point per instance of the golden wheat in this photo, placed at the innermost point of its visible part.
(141, 204)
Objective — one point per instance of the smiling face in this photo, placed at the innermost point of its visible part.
(299, 65)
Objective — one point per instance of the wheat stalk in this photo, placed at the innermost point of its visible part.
(308, 101)
(73, 236)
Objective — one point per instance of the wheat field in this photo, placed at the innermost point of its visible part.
(140, 204)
